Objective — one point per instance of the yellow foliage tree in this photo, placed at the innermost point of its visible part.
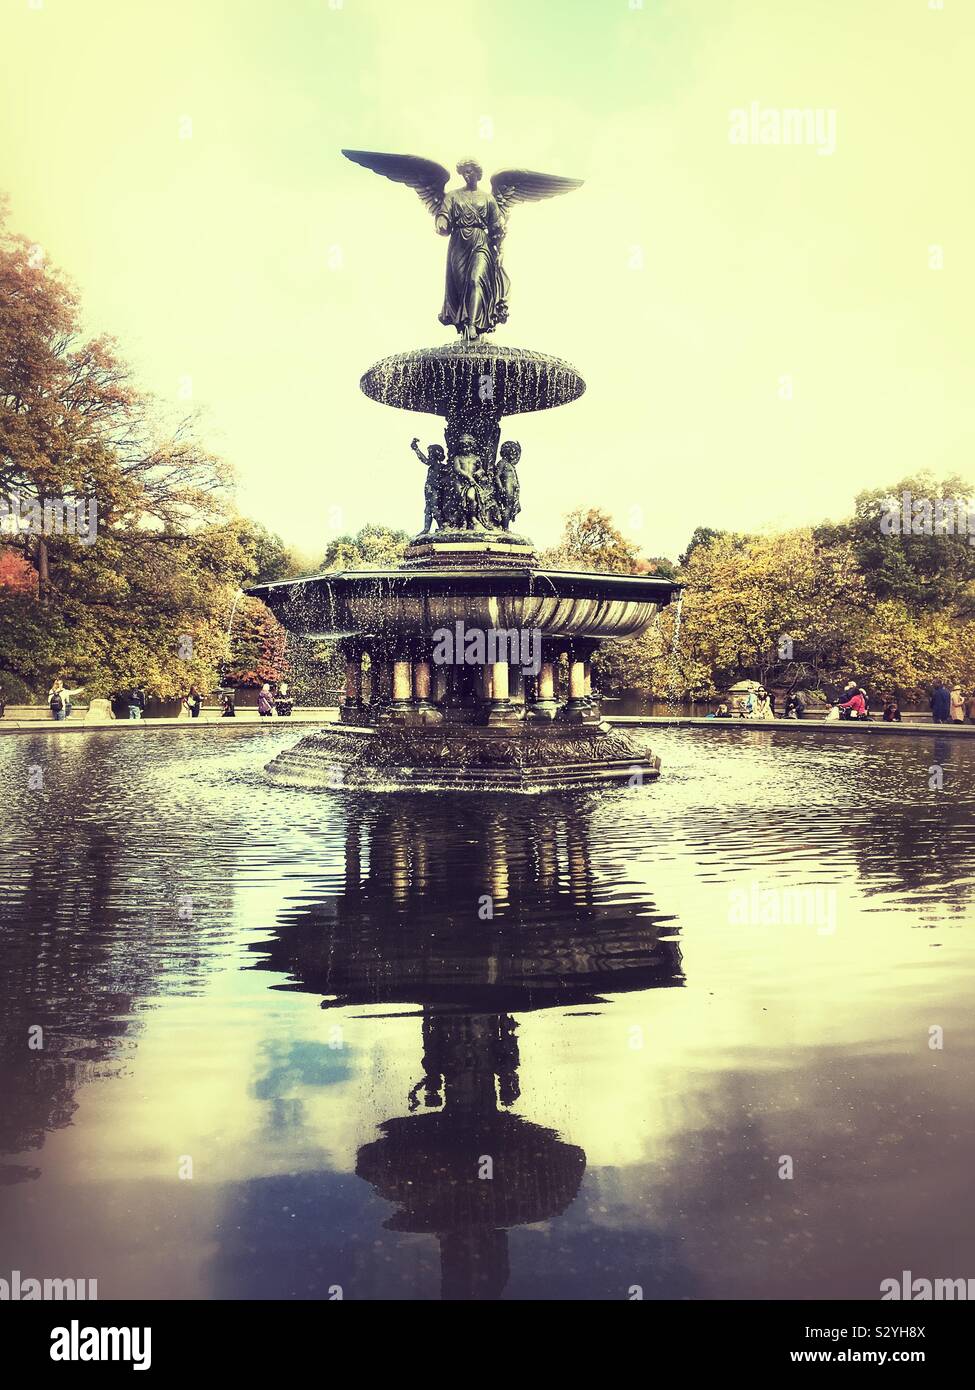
(779, 609)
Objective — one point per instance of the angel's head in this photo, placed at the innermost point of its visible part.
(435, 453)
(470, 171)
(511, 451)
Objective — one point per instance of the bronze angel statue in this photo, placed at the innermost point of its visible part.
(476, 296)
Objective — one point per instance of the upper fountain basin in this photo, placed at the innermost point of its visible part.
(441, 380)
(416, 603)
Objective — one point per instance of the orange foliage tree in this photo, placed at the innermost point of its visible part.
(257, 646)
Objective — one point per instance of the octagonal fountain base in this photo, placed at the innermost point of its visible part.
(462, 758)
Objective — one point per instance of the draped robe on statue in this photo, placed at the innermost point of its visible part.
(477, 287)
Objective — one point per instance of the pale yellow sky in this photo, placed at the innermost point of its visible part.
(685, 280)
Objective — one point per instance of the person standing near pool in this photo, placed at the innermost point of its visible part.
(956, 708)
(59, 699)
(265, 702)
(940, 703)
(194, 702)
(137, 702)
(283, 702)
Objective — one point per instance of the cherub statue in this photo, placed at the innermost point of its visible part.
(472, 484)
(507, 484)
(433, 488)
(476, 297)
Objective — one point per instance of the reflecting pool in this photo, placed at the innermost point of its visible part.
(712, 1037)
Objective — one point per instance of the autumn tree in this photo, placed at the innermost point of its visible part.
(146, 593)
(590, 541)
(372, 547)
(660, 567)
(272, 558)
(778, 609)
(702, 535)
(257, 645)
(926, 571)
(17, 576)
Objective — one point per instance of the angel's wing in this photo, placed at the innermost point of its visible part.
(425, 176)
(511, 186)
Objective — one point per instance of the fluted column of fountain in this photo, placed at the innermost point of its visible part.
(499, 709)
(402, 681)
(580, 707)
(516, 685)
(383, 686)
(422, 681)
(426, 708)
(591, 700)
(577, 688)
(353, 679)
(545, 703)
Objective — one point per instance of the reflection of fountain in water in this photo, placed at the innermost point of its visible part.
(468, 1171)
(473, 907)
(411, 928)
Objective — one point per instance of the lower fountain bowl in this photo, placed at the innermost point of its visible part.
(407, 603)
(462, 758)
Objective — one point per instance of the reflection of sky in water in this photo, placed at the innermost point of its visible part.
(663, 1056)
